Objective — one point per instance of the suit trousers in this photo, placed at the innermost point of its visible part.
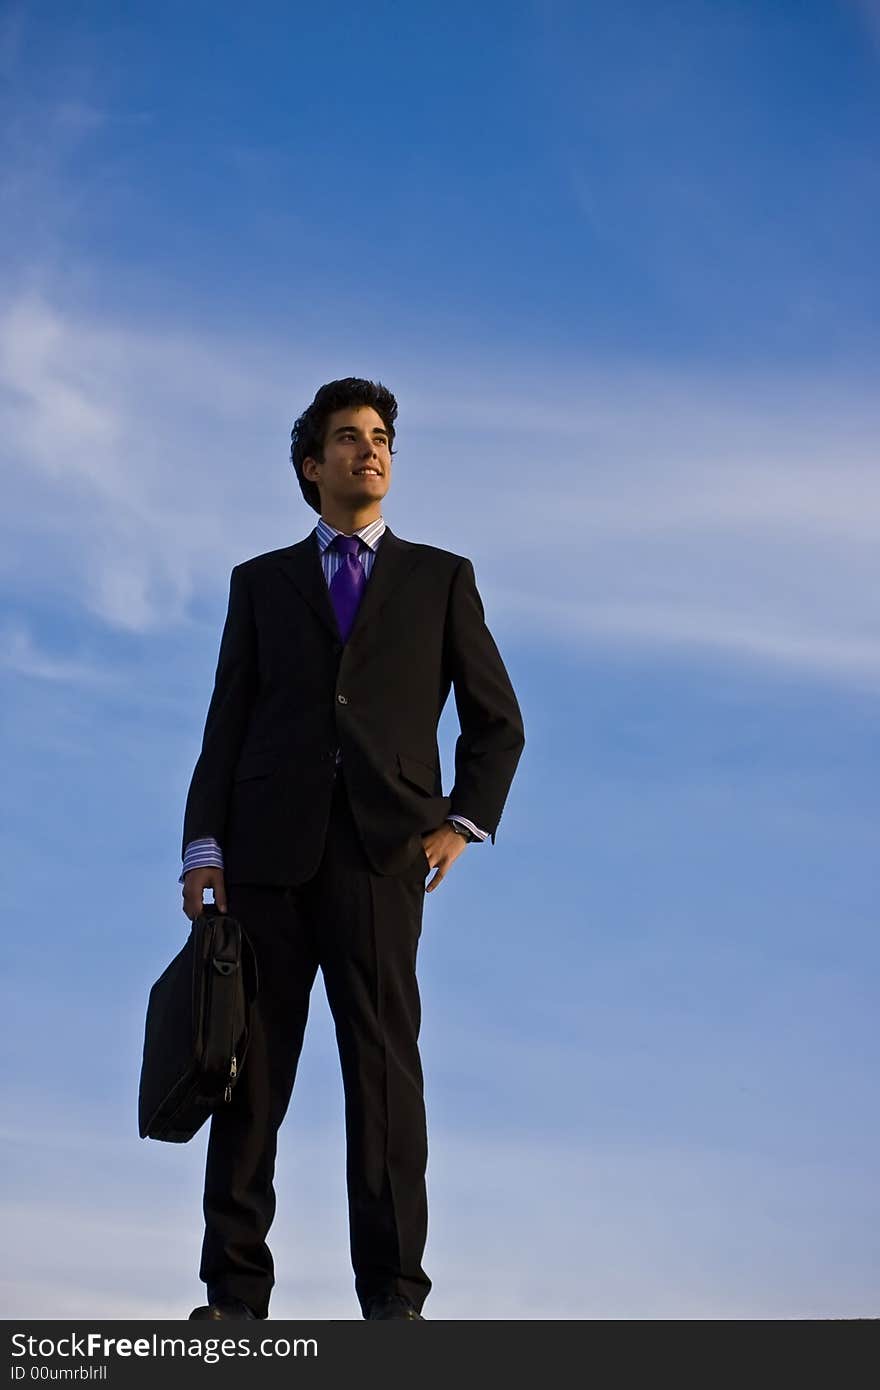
(363, 930)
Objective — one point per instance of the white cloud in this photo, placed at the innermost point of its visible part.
(734, 518)
(729, 515)
(99, 429)
(20, 654)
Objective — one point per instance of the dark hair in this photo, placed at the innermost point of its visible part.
(307, 435)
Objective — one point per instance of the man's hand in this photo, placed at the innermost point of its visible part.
(195, 881)
(442, 846)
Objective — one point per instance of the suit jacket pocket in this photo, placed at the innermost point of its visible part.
(256, 765)
(420, 774)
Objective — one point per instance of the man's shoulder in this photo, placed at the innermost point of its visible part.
(448, 559)
(268, 558)
(445, 559)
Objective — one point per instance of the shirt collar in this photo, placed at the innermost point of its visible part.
(369, 534)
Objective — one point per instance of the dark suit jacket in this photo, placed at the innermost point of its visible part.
(288, 693)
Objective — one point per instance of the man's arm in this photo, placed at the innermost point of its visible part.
(476, 832)
(492, 736)
(201, 854)
(235, 687)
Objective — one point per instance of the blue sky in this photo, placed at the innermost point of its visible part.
(617, 264)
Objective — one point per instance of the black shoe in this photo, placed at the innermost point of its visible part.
(224, 1308)
(391, 1305)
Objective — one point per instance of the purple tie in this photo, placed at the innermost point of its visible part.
(347, 585)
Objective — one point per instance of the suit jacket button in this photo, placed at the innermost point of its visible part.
(343, 699)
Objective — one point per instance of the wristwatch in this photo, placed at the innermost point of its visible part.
(462, 830)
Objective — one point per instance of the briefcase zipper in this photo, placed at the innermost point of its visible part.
(233, 1072)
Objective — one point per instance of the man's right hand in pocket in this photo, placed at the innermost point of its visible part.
(195, 881)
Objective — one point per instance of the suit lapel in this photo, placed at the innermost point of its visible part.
(301, 564)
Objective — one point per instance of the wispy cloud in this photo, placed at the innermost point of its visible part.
(21, 655)
(604, 409)
(101, 427)
(731, 515)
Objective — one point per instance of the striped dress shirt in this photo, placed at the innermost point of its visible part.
(206, 853)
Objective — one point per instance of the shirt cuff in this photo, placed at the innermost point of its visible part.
(480, 834)
(201, 854)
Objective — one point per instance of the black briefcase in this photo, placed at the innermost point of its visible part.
(197, 1029)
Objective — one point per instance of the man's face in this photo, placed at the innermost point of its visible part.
(356, 470)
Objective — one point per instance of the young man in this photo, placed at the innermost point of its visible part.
(316, 814)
